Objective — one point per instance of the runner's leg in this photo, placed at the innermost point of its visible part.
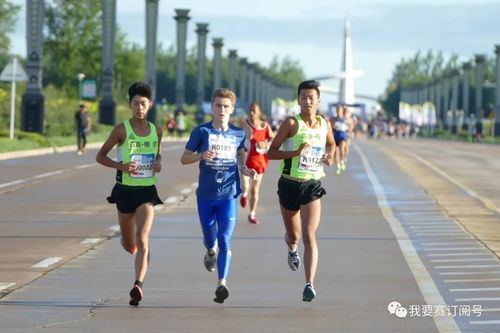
(226, 221)
(127, 229)
(254, 192)
(310, 214)
(291, 220)
(144, 217)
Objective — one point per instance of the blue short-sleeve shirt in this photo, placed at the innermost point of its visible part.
(219, 179)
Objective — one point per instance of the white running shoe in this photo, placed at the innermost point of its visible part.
(309, 293)
(293, 260)
(210, 262)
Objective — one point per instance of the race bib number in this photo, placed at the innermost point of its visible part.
(144, 165)
(224, 148)
(311, 160)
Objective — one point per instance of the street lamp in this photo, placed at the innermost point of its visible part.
(80, 77)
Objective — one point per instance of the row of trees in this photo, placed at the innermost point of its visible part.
(423, 68)
(73, 45)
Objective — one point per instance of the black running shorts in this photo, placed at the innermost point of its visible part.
(128, 198)
(293, 194)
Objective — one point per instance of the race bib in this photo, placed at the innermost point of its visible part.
(311, 160)
(260, 150)
(144, 165)
(224, 148)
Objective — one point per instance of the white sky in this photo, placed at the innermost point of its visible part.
(311, 31)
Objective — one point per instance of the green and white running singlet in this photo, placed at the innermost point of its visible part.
(308, 165)
(139, 149)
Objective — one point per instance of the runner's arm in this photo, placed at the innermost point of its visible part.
(330, 146)
(117, 136)
(287, 129)
(157, 162)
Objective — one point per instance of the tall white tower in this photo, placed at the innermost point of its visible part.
(347, 74)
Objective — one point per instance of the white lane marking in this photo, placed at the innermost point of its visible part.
(428, 288)
(451, 242)
(90, 241)
(83, 166)
(158, 207)
(458, 233)
(457, 254)
(186, 191)
(114, 228)
(44, 175)
(473, 289)
(469, 273)
(437, 228)
(47, 262)
(15, 182)
(48, 174)
(463, 260)
(484, 322)
(470, 280)
(466, 266)
(486, 201)
(170, 200)
(490, 310)
(5, 285)
(453, 248)
(477, 299)
(443, 223)
(194, 184)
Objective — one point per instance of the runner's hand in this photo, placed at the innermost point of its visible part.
(208, 155)
(129, 167)
(156, 166)
(250, 173)
(304, 148)
(327, 159)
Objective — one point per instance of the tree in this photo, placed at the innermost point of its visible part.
(73, 42)
(8, 18)
(417, 70)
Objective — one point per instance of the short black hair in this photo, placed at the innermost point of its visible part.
(309, 84)
(140, 88)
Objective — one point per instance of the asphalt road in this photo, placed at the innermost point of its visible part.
(412, 221)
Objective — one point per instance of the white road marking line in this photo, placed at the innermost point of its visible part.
(90, 241)
(486, 201)
(15, 182)
(170, 200)
(450, 232)
(490, 310)
(470, 280)
(463, 260)
(424, 281)
(473, 289)
(83, 166)
(477, 299)
(451, 242)
(457, 254)
(48, 174)
(469, 273)
(114, 228)
(5, 285)
(194, 184)
(467, 266)
(47, 262)
(484, 322)
(44, 175)
(186, 191)
(453, 248)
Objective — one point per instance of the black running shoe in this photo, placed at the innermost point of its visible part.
(136, 295)
(221, 293)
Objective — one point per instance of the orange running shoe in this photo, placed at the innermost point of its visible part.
(253, 219)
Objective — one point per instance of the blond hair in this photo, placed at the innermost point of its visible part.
(224, 93)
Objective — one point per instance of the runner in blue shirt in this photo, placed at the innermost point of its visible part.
(219, 148)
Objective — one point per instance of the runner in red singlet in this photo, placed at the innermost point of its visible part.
(259, 136)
